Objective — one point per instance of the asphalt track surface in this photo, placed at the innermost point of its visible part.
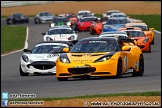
(48, 86)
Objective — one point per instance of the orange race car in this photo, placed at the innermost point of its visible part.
(137, 34)
(148, 31)
(96, 27)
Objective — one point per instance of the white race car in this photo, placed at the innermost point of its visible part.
(117, 34)
(61, 33)
(42, 58)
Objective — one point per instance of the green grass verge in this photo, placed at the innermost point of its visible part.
(155, 93)
(12, 38)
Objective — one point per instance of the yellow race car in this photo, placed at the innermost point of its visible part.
(97, 56)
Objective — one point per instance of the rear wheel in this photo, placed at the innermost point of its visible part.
(152, 41)
(22, 73)
(119, 68)
(149, 49)
(141, 67)
(92, 31)
(62, 79)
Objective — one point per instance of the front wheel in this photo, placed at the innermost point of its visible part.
(22, 73)
(152, 41)
(119, 69)
(141, 67)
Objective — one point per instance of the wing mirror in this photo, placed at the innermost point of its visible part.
(27, 50)
(152, 29)
(43, 33)
(66, 50)
(126, 48)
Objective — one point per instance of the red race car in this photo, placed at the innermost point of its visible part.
(96, 27)
(83, 24)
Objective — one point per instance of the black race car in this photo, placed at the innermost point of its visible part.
(17, 18)
(58, 21)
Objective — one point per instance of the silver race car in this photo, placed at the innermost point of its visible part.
(61, 33)
(43, 17)
(42, 58)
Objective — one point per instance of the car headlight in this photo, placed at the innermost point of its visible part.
(71, 38)
(25, 58)
(68, 23)
(103, 58)
(64, 60)
(81, 24)
(52, 25)
(145, 40)
(49, 39)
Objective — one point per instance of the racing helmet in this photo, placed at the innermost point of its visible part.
(99, 19)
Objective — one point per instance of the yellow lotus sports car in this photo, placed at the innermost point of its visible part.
(98, 56)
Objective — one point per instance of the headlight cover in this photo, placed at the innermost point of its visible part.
(25, 58)
(52, 24)
(68, 23)
(103, 58)
(71, 37)
(49, 39)
(145, 40)
(64, 60)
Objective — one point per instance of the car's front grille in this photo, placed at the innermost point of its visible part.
(81, 70)
(43, 65)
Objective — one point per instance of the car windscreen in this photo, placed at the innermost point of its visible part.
(119, 16)
(117, 36)
(136, 33)
(144, 28)
(95, 46)
(60, 31)
(109, 13)
(43, 49)
(87, 19)
(56, 20)
(45, 14)
(116, 21)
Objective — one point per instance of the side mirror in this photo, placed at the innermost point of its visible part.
(126, 48)
(152, 29)
(65, 50)
(27, 50)
(43, 33)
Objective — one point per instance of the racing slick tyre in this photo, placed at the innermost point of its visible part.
(92, 32)
(62, 79)
(22, 73)
(119, 69)
(35, 21)
(152, 41)
(7, 23)
(13, 21)
(149, 51)
(141, 67)
(27, 21)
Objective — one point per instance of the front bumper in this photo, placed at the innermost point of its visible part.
(39, 67)
(106, 68)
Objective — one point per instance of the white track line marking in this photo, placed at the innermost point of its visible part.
(25, 46)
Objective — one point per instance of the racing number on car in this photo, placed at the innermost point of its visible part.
(125, 61)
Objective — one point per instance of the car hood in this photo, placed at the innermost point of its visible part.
(46, 17)
(115, 26)
(85, 57)
(86, 23)
(42, 57)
